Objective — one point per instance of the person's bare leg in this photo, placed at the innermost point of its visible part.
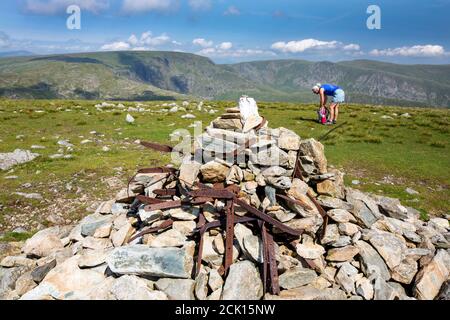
(336, 112)
(332, 109)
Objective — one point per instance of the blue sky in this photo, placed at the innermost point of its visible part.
(412, 31)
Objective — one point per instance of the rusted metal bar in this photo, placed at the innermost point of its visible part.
(270, 269)
(295, 201)
(147, 200)
(234, 188)
(221, 223)
(322, 213)
(272, 263)
(164, 205)
(317, 204)
(217, 186)
(200, 185)
(229, 235)
(201, 225)
(157, 146)
(298, 170)
(265, 255)
(224, 194)
(165, 192)
(128, 200)
(166, 224)
(201, 200)
(268, 219)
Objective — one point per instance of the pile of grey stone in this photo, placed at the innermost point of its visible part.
(372, 248)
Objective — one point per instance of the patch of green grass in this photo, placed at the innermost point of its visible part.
(372, 139)
(15, 236)
(438, 144)
(423, 215)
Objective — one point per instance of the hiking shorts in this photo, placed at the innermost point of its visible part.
(339, 96)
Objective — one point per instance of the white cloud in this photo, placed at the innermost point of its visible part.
(414, 51)
(200, 5)
(239, 53)
(145, 42)
(133, 40)
(352, 47)
(312, 44)
(50, 7)
(226, 50)
(303, 45)
(139, 6)
(116, 46)
(202, 42)
(209, 48)
(148, 39)
(232, 11)
(225, 46)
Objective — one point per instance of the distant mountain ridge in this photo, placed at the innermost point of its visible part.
(157, 75)
(20, 53)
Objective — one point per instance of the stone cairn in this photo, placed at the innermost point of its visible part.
(274, 222)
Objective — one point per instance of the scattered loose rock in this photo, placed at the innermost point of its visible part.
(297, 277)
(177, 289)
(243, 282)
(310, 251)
(18, 156)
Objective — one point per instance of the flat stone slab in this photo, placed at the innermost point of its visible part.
(18, 156)
(92, 222)
(217, 145)
(158, 262)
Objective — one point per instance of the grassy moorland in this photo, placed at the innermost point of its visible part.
(384, 151)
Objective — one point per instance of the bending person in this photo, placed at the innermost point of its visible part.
(338, 97)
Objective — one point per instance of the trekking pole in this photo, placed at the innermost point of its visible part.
(330, 131)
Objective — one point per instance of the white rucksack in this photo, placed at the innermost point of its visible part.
(248, 108)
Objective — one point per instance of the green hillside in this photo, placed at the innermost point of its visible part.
(364, 81)
(155, 75)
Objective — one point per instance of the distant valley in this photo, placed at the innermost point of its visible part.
(155, 75)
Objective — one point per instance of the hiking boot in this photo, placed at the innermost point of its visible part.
(333, 122)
